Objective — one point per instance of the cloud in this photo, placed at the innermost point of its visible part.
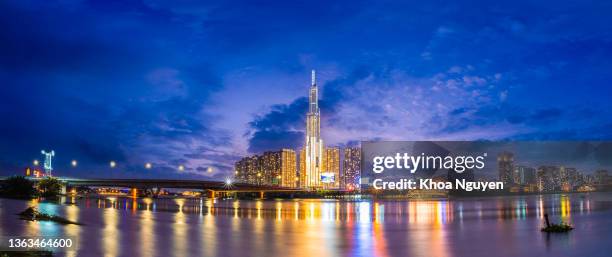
(140, 82)
(281, 127)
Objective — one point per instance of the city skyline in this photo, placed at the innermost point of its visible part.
(318, 166)
(199, 86)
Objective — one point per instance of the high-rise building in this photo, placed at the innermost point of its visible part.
(275, 168)
(271, 168)
(602, 177)
(288, 169)
(313, 145)
(331, 168)
(524, 175)
(248, 170)
(302, 169)
(505, 164)
(549, 178)
(351, 168)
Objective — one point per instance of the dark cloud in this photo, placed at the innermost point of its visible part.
(281, 127)
(275, 140)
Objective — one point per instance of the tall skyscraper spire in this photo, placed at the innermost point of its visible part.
(313, 145)
(313, 78)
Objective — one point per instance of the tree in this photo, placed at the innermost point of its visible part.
(49, 187)
(18, 187)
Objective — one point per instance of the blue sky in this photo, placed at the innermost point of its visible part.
(204, 83)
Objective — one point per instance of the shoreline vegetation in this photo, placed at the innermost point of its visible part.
(20, 187)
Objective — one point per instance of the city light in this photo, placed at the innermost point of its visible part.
(73, 163)
(148, 165)
(113, 164)
(181, 168)
(35, 162)
(228, 182)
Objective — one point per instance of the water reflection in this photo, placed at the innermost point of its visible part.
(146, 234)
(437, 212)
(208, 227)
(111, 236)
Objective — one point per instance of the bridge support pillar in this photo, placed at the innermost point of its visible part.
(212, 194)
(261, 195)
(134, 192)
(63, 189)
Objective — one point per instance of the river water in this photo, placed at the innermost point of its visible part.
(487, 226)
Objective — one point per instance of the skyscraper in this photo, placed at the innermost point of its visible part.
(549, 178)
(505, 164)
(313, 146)
(524, 175)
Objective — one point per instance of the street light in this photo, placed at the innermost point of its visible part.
(73, 163)
(209, 170)
(113, 164)
(35, 162)
(181, 168)
(148, 165)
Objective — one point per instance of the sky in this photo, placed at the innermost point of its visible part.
(203, 83)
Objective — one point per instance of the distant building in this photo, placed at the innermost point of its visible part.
(524, 175)
(351, 168)
(331, 168)
(505, 164)
(289, 168)
(248, 170)
(302, 169)
(549, 178)
(276, 168)
(602, 177)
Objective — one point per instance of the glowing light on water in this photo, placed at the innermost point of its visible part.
(364, 212)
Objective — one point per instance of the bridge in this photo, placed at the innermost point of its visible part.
(212, 187)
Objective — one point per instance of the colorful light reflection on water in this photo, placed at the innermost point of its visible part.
(118, 226)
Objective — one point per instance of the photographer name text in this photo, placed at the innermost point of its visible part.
(430, 184)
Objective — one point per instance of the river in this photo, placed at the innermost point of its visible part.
(487, 226)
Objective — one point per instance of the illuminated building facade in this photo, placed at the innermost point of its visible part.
(524, 175)
(549, 178)
(276, 168)
(331, 168)
(313, 145)
(351, 168)
(248, 170)
(288, 168)
(505, 164)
